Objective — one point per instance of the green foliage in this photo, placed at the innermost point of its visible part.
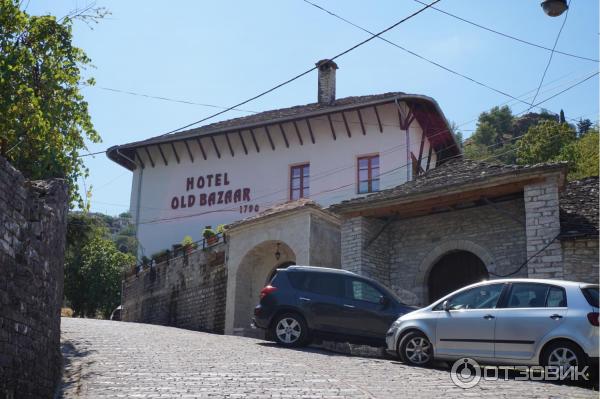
(208, 232)
(583, 126)
(494, 127)
(44, 119)
(582, 156)
(544, 142)
(93, 267)
(187, 241)
(220, 229)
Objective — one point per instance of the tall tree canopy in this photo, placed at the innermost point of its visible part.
(545, 142)
(44, 119)
(93, 267)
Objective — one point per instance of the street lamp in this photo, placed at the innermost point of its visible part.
(554, 8)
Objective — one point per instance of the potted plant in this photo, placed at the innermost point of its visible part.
(220, 229)
(188, 244)
(210, 236)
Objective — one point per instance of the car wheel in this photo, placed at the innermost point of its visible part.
(290, 329)
(415, 349)
(563, 354)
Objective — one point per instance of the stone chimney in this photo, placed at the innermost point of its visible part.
(326, 94)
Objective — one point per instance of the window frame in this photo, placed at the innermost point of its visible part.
(369, 181)
(301, 167)
(506, 298)
(501, 297)
(349, 294)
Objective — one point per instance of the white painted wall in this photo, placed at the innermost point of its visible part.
(333, 172)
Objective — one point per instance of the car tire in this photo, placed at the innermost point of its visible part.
(290, 330)
(563, 353)
(415, 349)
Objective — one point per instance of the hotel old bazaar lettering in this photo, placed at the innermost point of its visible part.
(213, 197)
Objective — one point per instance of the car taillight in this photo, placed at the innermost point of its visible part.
(593, 318)
(267, 290)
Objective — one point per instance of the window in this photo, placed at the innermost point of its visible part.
(326, 284)
(591, 295)
(556, 298)
(363, 291)
(299, 181)
(531, 295)
(368, 174)
(484, 297)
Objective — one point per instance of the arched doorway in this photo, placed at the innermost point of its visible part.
(254, 272)
(455, 270)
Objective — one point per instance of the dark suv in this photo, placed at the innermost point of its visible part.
(305, 302)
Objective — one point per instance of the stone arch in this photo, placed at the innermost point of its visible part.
(252, 274)
(441, 250)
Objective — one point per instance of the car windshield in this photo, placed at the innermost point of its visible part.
(591, 294)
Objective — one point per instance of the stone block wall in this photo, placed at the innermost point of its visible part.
(581, 260)
(188, 291)
(543, 226)
(362, 251)
(405, 251)
(32, 242)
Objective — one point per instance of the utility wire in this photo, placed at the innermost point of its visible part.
(551, 55)
(132, 93)
(303, 73)
(509, 36)
(417, 55)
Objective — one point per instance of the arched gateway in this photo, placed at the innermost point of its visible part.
(454, 270)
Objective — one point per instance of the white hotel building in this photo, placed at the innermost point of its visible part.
(328, 151)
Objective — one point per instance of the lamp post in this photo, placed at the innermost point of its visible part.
(554, 8)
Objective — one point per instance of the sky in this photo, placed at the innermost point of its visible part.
(224, 52)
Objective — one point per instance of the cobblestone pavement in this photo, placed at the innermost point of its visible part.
(114, 359)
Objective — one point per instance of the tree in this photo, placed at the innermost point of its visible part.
(544, 142)
(44, 119)
(494, 127)
(582, 156)
(583, 126)
(93, 267)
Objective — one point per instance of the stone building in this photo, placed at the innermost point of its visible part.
(466, 221)
(373, 184)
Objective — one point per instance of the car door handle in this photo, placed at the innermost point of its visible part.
(489, 317)
(556, 317)
(304, 299)
(349, 306)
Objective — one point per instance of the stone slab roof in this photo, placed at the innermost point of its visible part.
(579, 209)
(281, 209)
(453, 173)
(122, 154)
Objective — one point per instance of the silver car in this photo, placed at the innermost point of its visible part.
(511, 322)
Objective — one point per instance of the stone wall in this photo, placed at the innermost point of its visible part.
(32, 242)
(404, 252)
(543, 226)
(581, 260)
(188, 291)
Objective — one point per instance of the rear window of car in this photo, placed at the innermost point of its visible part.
(591, 294)
(325, 284)
(298, 280)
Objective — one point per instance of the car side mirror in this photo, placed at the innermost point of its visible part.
(446, 306)
(383, 301)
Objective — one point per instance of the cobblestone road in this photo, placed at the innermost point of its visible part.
(113, 359)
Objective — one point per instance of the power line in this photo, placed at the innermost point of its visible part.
(417, 55)
(132, 93)
(162, 220)
(303, 73)
(509, 36)
(551, 54)
(390, 150)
